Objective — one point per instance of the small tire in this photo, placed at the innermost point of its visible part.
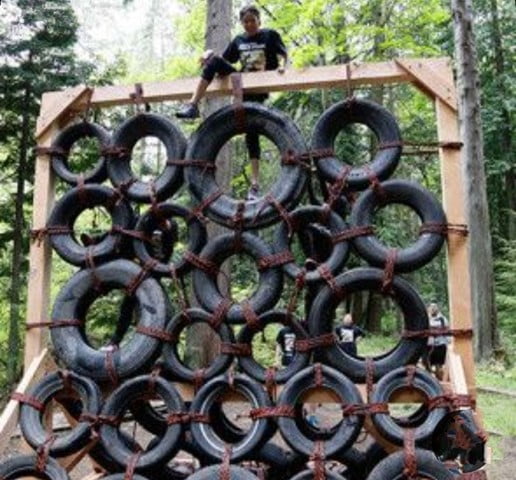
(203, 433)
(428, 467)
(139, 353)
(398, 380)
(301, 219)
(33, 430)
(152, 220)
(119, 401)
(322, 313)
(119, 165)
(207, 141)
(61, 150)
(426, 206)
(379, 120)
(347, 430)
(25, 467)
(174, 366)
(67, 210)
(251, 367)
(214, 472)
(217, 250)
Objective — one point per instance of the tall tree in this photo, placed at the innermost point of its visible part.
(38, 54)
(481, 263)
(204, 343)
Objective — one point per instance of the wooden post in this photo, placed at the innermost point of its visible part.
(40, 255)
(459, 289)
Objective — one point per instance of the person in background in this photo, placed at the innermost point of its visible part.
(256, 49)
(348, 334)
(435, 355)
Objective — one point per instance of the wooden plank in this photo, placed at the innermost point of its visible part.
(255, 82)
(56, 106)
(497, 391)
(432, 80)
(33, 373)
(459, 288)
(70, 462)
(457, 377)
(40, 260)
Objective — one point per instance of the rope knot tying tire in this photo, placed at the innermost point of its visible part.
(451, 401)
(268, 412)
(28, 400)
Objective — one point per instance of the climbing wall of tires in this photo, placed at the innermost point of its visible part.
(100, 387)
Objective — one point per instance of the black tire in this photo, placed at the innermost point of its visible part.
(398, 380)
(119, 401)
(449, 440)
(25, 466)
(347, 430)
(412, 195)
(125, 138)
(310, 475)
(67, 210)
(251, 367)
(175, 367)
(301, 219)
(153, 220)
(31, 421)
(379, 120)
(220, 248)
(392, 467)
(203, 433)
(63, 144)
(408, 350)
(214, 132)
(213, 472)
(139, 353)
(122, 476)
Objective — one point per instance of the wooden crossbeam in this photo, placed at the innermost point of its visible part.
(259, 82)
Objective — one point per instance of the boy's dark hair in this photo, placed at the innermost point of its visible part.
(250, 9)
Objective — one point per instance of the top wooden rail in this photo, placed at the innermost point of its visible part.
(430, 75)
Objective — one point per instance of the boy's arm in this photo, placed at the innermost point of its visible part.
(284, 62)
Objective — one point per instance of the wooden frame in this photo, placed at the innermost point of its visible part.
(432, 76)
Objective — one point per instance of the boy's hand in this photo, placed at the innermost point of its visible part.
(206, 56)
(281, 70)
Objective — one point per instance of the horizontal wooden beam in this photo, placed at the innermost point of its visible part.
(271, 81)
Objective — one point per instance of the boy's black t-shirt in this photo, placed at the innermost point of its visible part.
(256, 53)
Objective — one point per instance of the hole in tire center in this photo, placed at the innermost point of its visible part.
(148, 158)
(235, 408)
(83, 155)
(61, 425)
(322, 412)
(198, 344)
(243, 277)
(374, 328)
(92, 226)
(356, 144)
(169, 242)
(241, 175)
(109, 320)
(407, 406)
(313, 242)
(407, 223)
(265, 345)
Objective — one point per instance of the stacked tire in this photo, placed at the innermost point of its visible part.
(142, 361)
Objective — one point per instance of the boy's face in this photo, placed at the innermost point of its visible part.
(251, 24)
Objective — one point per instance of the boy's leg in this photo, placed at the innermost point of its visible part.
(213, 66)
(253, 147)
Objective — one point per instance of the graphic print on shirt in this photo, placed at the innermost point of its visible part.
(252, 56)
(289, 343)
(346, 335)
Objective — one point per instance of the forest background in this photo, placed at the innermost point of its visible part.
(53, 44)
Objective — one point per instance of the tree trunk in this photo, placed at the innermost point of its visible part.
(505, 133)
(203, 342)
(374, 313)
(481, 264)
(13, 341)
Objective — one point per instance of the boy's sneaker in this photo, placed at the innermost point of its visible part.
(254, 192)
(190, 110)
